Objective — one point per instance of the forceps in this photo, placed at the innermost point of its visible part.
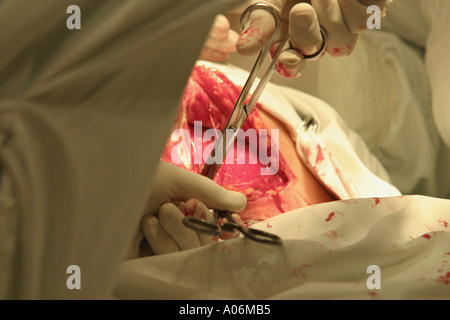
(238, 116)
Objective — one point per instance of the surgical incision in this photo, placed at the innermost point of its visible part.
(207, 103)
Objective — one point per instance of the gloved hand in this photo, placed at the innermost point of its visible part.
(174, 195)
(343, 19)
(221, 41)
(166, 233)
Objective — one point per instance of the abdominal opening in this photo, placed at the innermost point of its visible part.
(254, 165)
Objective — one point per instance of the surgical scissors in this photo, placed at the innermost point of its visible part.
(238, 116)
(230, 225)
(242, 110)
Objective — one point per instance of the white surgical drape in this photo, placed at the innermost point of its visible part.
(327, 248)
(393, 91)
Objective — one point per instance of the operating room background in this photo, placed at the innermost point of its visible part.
(308, 81)
(382, 90)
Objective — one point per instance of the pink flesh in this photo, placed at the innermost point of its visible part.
(210, 97)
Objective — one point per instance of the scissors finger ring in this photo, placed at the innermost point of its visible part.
(264, 6)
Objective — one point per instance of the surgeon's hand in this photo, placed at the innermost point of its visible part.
(221, 41)
(177, 192)
(166, 233)
(343, 20)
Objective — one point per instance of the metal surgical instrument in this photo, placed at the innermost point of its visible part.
(239, 115)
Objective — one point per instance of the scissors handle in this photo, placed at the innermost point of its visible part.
(260, 236)
(203, 226)
(250, 233)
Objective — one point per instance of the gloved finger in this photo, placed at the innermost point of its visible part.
(226, 235)
(159, 240)
(221, 41)
(212, 195)
(227, 44)
(220, 27)
(177, 184)
(355, 14)
(341, 40)
(171, 219)
(188, 185)
(290, 64)
(196, 209)
(304, 29)
(257, 32)
(213, 55)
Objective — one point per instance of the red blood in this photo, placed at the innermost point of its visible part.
(189, 209)
(319, 156)
(252, 33)
(427, 236)
(282, 70)
(444, 279)
(445, 223)
(377, 201)
(336, 50)
(331, 234)
(192, 208)
(330, 217)
(298, 272)
(210, 97)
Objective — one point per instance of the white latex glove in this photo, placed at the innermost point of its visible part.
(166, 232)
(178, 192)
(221, 41)
(343, 19)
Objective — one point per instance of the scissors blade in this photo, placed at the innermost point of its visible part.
(224, 143)
(242, 110)
(227, 137)
(239, 115)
